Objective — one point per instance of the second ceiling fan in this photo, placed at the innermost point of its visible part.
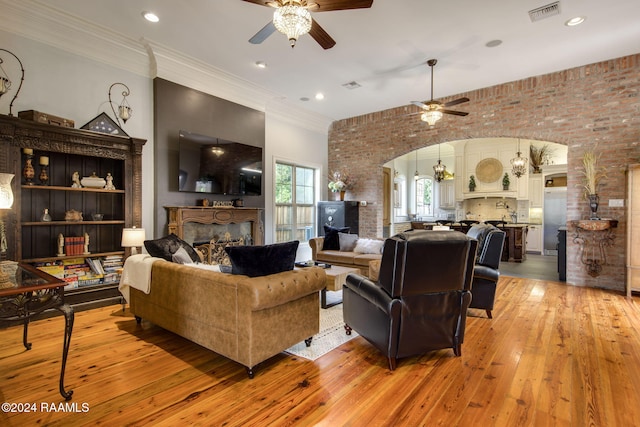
(293, 19)
(433, 110)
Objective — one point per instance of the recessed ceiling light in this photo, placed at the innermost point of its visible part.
(319, 96)
(261, 64)
(575, 21)
(150, 16)
(493, 43)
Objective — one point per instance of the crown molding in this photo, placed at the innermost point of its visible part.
(36, 20)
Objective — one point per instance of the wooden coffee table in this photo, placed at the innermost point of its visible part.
(336, 277)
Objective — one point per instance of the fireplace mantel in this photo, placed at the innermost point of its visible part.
(181, 215)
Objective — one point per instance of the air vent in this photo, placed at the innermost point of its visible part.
(545, 12)
(351, 85)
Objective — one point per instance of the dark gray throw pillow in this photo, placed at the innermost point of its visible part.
(331, 239)
(165, 247)
(254, 261)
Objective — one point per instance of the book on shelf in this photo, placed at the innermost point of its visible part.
(74, 245)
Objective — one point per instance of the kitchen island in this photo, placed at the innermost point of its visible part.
(514, 244)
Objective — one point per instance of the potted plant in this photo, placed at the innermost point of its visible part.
(538, 155)
(472, 183)
(593, 174)
(505, 182)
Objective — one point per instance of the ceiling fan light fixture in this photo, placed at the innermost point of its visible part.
(431, 117)
(292, 20)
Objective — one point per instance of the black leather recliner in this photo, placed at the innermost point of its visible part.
(421, 298)
(486, 271)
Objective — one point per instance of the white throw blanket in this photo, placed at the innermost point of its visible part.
(137, 274)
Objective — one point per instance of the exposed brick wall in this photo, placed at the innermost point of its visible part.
(595, 107)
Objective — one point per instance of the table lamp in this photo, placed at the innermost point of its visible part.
(133, 238)
(6, 201)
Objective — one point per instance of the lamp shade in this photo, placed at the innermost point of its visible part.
(6, 194)
(133, 237)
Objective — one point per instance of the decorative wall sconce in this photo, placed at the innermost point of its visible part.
(124, 109)
(5, 81)
(133, 238)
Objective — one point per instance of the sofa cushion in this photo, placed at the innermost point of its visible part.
(336, 257)
(365, 259)
(254, 261)
(331, 239)
(369, 246)
(181, 256)
(347, 241)
(165, 247)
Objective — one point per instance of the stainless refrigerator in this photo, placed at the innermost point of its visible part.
(555, 216)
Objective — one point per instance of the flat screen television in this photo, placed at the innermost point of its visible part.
(216, 166)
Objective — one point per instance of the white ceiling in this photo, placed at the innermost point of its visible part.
(383, 48)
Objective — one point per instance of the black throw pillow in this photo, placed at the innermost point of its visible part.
(331, 238)
(165, 247)
(254, 261)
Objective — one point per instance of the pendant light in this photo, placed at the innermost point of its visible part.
(519, 164)
(416, 175)
(439, 168)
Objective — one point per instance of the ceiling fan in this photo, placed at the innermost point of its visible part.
(293, 19)
(433, 110)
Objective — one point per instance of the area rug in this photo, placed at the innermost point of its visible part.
(331, 335)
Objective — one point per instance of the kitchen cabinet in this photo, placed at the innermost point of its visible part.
(534, 238)
(536, 194)
(447, 191)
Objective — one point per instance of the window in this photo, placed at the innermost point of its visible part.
(295, 197)
(424, 196)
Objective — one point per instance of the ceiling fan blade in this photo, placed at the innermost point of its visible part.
(260, 2)
(328, 5)
(455, 113)
(262, 35)
(420, 104)
(455, 102)
(321, 36)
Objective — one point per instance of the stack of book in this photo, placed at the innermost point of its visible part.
(112, 266)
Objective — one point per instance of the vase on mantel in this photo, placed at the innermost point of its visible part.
(594, 201)
(342, 193)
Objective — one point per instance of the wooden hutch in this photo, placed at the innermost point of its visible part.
(32, 240)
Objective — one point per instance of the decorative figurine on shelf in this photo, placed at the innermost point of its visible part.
(28, 172)
(45, 216)
(86, 244)
(44, 176)
(73, 215)
(472, 183)
(60, 245)
(75, 180)
(109, 185)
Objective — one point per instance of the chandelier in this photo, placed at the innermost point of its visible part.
(439, 168)
(292, 20)
(519, 164)
(431, 116)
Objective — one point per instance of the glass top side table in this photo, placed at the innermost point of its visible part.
(25, 292)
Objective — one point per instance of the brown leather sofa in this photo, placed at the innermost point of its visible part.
(245, 319)
(421, 298)
(367, 263)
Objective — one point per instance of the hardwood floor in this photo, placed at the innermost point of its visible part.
(552, 355)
